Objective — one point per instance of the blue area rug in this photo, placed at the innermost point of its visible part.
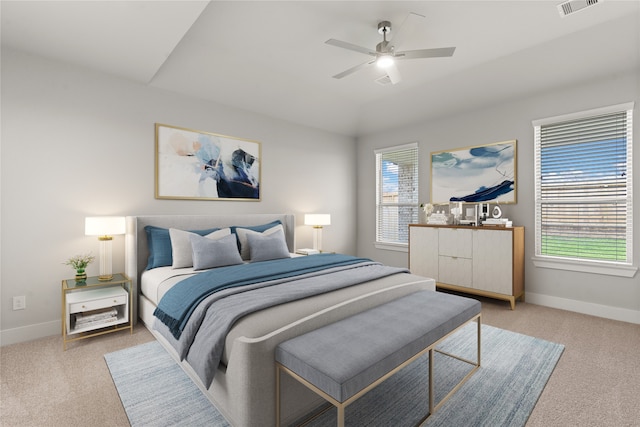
(515, 368)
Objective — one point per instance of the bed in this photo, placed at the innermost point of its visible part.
(243, 381)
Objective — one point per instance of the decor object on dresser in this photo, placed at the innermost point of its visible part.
(317, 221)
(92, 307)
(196, 165)
(486, 261)
(105, 227)
(475, 174)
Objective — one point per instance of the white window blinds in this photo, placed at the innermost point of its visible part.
(583, 184)
(396, 193)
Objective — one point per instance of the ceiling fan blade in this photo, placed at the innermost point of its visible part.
(394, 74)
(350, 46)
(353, 69)
(425, 53)
(404, 30)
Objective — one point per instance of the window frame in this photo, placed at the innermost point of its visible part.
(615, 268)
(384, 244)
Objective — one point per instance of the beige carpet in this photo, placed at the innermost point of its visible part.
(596, 382)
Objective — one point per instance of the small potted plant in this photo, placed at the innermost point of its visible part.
(79, 263)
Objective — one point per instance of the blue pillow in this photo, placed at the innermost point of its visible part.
(159, 244)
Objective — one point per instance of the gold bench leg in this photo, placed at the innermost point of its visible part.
(277, 395)
(431, 396)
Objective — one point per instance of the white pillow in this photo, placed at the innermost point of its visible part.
(181, 245)
(209, 253)
(242, 233)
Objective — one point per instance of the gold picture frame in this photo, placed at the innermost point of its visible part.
(197, 165)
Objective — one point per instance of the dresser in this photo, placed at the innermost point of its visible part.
(485, 261)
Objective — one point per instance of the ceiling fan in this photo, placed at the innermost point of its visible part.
(385, 55)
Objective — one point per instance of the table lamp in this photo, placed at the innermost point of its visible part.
(104, 227)
(317, 221)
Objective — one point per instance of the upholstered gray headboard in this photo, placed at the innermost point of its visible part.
(137, 252)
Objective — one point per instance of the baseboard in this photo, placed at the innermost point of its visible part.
(30, 332)
(598, 310)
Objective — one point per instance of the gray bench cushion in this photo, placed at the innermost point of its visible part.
(346, 356)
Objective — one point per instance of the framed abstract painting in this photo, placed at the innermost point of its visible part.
(480, 173)
(196, 165)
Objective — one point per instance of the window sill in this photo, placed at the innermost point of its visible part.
(605, 268)
(398, 247)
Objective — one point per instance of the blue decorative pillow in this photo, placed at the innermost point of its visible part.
(159, 244)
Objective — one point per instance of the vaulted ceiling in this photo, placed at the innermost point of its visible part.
(271, 57)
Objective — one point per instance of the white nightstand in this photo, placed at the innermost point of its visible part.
(93, 307)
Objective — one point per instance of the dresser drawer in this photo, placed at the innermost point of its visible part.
(455, 242)
(455, 270)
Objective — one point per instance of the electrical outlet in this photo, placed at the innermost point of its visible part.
(20, 303)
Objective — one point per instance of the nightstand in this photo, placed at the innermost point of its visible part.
(93, 307)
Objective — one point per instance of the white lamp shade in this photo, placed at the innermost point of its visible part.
(104, 225)
(317, 219)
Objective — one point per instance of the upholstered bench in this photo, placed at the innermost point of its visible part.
(344, 360)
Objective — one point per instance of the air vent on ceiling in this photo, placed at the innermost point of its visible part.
(572, 6)
(384, 80)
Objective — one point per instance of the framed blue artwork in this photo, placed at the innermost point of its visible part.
(196, 165)
(482, 173)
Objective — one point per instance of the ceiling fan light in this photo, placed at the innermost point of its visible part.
(384, 61)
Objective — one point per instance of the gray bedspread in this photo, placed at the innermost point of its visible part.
(202, 340)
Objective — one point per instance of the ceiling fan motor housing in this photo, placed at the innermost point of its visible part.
(383, 47)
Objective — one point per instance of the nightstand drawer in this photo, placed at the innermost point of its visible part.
(96, 304)
(93, 299)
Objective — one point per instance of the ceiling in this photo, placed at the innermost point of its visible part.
(271, 57)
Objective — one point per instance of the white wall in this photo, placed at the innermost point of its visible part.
(606, 296)
(77, 143)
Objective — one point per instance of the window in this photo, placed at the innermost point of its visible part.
(396, 194)
(583, 186)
